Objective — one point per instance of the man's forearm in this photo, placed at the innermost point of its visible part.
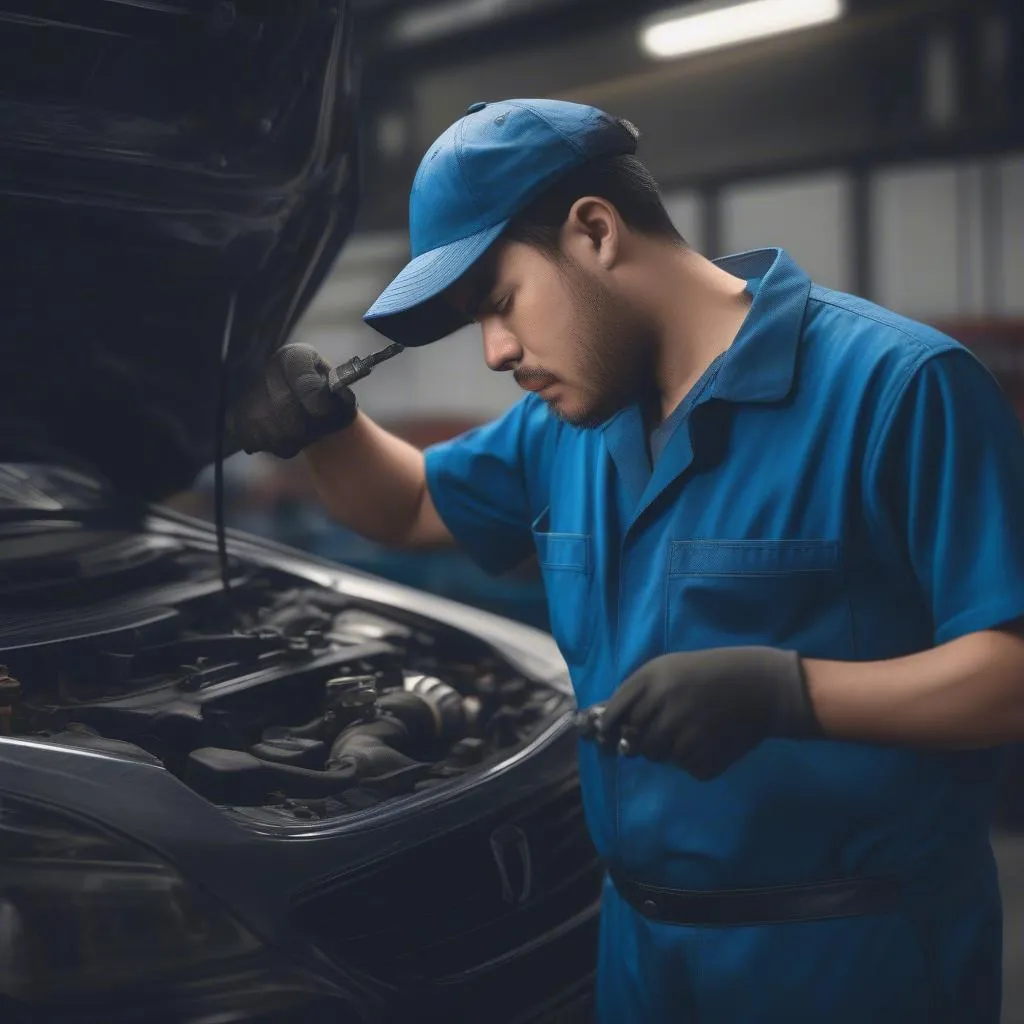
(369, 480)
(966, 693)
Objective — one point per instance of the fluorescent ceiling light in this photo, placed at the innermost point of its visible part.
(711, 27)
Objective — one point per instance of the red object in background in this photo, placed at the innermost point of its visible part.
(999, 344)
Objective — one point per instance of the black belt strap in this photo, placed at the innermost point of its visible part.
(845, 897)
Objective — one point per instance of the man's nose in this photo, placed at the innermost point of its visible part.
(501, 349)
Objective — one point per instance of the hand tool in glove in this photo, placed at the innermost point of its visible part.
(300, 399)
(704, 710)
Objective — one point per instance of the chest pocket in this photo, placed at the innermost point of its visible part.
(781, 593)
(567, 565)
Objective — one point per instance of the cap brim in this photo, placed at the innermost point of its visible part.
(411, 310)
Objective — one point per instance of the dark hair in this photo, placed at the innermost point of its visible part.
(622, 181)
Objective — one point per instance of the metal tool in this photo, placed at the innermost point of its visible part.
(588, 722)
(358, 367)
(339, 377)
(588, 725)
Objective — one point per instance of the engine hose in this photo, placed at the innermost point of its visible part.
(314, 730)
(446, 704)
(349, 698)
(369, 751)
(235, 777)
(410, 727)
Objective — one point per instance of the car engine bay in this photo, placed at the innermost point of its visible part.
(275, 693)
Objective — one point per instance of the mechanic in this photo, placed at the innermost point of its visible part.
(781, 531)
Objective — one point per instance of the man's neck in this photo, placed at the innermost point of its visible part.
(701, 311)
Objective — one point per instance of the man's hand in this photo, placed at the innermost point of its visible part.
(292, 406)
(704, 710)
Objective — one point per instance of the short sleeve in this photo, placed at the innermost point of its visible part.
(489, 484)
(946, 477)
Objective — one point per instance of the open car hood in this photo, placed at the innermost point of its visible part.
(172, 174)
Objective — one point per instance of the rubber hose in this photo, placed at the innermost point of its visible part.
(376, 748)
(446, 703)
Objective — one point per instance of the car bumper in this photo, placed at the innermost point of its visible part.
(259, 991)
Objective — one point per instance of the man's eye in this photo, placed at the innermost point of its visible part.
(503, 305)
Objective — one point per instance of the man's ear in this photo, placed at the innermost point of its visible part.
(593, 232)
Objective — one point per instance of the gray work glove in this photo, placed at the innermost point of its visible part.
(704, 710)
(292, 406)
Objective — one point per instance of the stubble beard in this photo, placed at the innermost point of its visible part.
(615, 345)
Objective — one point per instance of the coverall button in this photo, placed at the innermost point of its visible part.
(650, 906)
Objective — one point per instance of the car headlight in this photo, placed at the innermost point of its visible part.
(84, 910)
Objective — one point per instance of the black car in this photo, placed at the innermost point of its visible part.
(236, 783)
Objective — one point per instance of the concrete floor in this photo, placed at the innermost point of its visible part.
(1010, 852)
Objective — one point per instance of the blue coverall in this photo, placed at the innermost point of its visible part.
(845, 483)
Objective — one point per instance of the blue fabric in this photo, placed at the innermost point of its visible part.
(850, 485)
(677, 417)
(476, 176)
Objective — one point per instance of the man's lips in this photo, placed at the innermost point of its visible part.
(537, 384)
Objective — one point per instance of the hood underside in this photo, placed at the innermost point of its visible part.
(176, 178)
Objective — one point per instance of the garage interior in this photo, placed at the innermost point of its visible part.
(881, 144)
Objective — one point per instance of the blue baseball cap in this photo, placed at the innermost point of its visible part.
(473, 180)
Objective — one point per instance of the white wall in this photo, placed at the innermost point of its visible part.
(1011, 247)
(915, 255)
(933, 247)
(807, 216)
(685, 209)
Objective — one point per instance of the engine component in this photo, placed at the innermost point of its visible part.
(351, 697)
(380, 732)
(293, 750)
(168, 729)
(348, 699)
(317, 729)
(446, 703)
(289, 697)
(297, 611)
(77, 735)
(356, 626)
(419, 721)
(466, 752)
(235, 778)
(376, 748)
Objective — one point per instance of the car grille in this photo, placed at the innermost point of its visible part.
(502, 914)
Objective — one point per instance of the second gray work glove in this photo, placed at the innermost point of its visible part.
(292, 406)
(704, 710)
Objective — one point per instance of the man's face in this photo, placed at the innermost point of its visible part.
(559, 328)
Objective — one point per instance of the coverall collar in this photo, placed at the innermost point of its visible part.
(759, 366)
